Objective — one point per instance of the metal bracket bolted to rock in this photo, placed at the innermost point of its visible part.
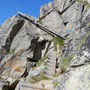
(50, 64)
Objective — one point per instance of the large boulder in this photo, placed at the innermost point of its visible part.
(23, 48)
(8, 31)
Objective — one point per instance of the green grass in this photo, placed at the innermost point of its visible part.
(41, 60)
(38, 78)
(84, 2)
(65, 63)
(55, 83)
(59, 42)
(11, 52)
(56, 74)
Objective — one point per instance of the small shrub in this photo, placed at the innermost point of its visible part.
(58, 41)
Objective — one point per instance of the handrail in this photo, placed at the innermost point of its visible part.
(39, 25)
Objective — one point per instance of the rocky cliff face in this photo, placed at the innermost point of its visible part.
(27, 51)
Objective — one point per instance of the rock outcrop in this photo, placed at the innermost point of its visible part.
(21, 48)
(8, 31)
(77, 75)
(27, 51)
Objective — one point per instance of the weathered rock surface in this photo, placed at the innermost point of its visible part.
(22, 48)
(78, 73)
(4, 85)
(8, 31)
(22, 45)
(37, 71)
